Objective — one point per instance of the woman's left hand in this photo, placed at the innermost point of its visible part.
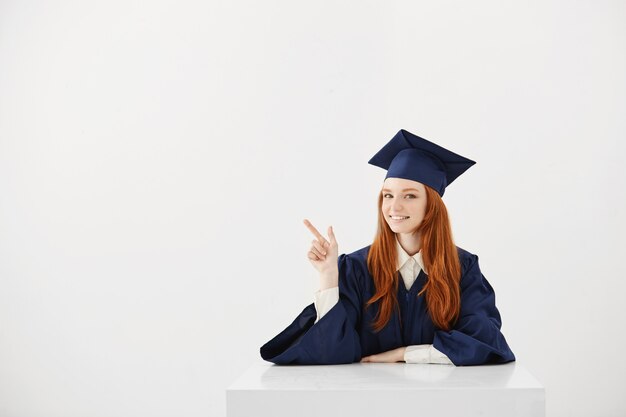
(395, 355)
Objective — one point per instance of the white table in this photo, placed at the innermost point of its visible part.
(385, 389)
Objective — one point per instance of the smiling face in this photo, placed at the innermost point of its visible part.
(404, 204)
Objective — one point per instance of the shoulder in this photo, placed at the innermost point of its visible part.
(358, 256)
(464, 254)
(355, 261)
(361, 254)
(471, 275)
(468, 259)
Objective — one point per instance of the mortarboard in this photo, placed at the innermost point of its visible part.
(414, 158)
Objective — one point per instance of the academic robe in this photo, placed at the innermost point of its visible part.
(344, 334)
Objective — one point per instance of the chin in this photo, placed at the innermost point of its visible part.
(402, 229)
(397, 229)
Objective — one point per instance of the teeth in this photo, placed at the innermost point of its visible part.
(399, 218)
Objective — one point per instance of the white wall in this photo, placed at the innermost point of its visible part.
(157, 159)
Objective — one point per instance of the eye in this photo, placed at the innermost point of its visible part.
(410, 195)
(385, 195)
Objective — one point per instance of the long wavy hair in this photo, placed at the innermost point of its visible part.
(440, 258)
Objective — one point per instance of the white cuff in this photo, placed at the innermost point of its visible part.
(325, 300)
(425, 354)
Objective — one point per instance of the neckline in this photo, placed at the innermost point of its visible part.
(409, 290)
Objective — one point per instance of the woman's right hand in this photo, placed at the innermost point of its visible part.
(324, 253)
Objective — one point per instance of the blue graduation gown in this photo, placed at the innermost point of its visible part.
(344, 334)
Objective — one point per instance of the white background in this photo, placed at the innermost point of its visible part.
(157, 159)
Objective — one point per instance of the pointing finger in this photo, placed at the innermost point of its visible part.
(315, 232)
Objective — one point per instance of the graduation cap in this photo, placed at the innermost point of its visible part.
(414, 158)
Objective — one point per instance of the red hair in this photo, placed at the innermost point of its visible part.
(440, 258)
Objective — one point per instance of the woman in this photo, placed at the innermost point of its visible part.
(412, 295)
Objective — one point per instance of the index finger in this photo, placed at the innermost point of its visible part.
(314, 231)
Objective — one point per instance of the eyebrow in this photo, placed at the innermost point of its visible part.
(406, 189)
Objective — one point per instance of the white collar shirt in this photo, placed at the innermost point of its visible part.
(409, 266)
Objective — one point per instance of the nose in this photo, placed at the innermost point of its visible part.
(396, 205)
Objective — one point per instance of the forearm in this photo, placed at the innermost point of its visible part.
(425, 354)
(329, 279)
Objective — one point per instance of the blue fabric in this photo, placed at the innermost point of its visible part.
(344, 335)
(414, 158)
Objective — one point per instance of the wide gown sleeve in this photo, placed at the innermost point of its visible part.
(325, 300)
(476, 338)
(333, 339)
